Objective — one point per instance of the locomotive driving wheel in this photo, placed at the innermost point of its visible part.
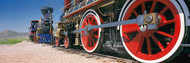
(153, 45)
(57, 41)
(34, 37)
(91, 40)
(66, 42)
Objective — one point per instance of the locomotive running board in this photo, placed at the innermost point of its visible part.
(185, 45)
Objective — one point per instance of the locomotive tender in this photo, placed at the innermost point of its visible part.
(149, 30)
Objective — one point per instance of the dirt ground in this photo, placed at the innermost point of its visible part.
(29, 52)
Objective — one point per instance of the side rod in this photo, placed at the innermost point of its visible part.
(138, 20)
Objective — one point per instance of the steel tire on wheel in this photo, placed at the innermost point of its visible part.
(91, 42)
(153, 45)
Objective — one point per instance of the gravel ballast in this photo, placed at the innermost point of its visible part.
(29, 52)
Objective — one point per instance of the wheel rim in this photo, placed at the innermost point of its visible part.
(57, 41)
(90, 41)
(66, 42)
(151, 44)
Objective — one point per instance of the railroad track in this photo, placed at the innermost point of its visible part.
(79, 50)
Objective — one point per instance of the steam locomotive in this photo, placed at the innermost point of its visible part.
(41, 30)
(146, 30)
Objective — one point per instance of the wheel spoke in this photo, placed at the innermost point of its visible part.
(153, 6)
(92, 41)
(136, 14)
(96, 36)
(157, 42)
(143, 6)
(89, 41)
(163, 10)
(166, 22)
(137, 38)
(136, 43)
(94, 30)
(85, 40)
(85, 22)
(91, 21)
(140, 44)
(149, 45)
(126, 38)
(165, 34)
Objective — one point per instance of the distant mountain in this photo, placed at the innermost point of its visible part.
(8, 34)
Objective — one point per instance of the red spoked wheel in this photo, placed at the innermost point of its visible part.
(153, 45)
(35, 40)
(34, 37)
(66, 42)
(91, 39)
(57, 43)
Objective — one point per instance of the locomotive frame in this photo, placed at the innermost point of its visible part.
(149, 30)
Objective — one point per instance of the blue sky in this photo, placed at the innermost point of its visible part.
(16, 14)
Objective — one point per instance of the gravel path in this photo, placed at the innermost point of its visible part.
(28, 52)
